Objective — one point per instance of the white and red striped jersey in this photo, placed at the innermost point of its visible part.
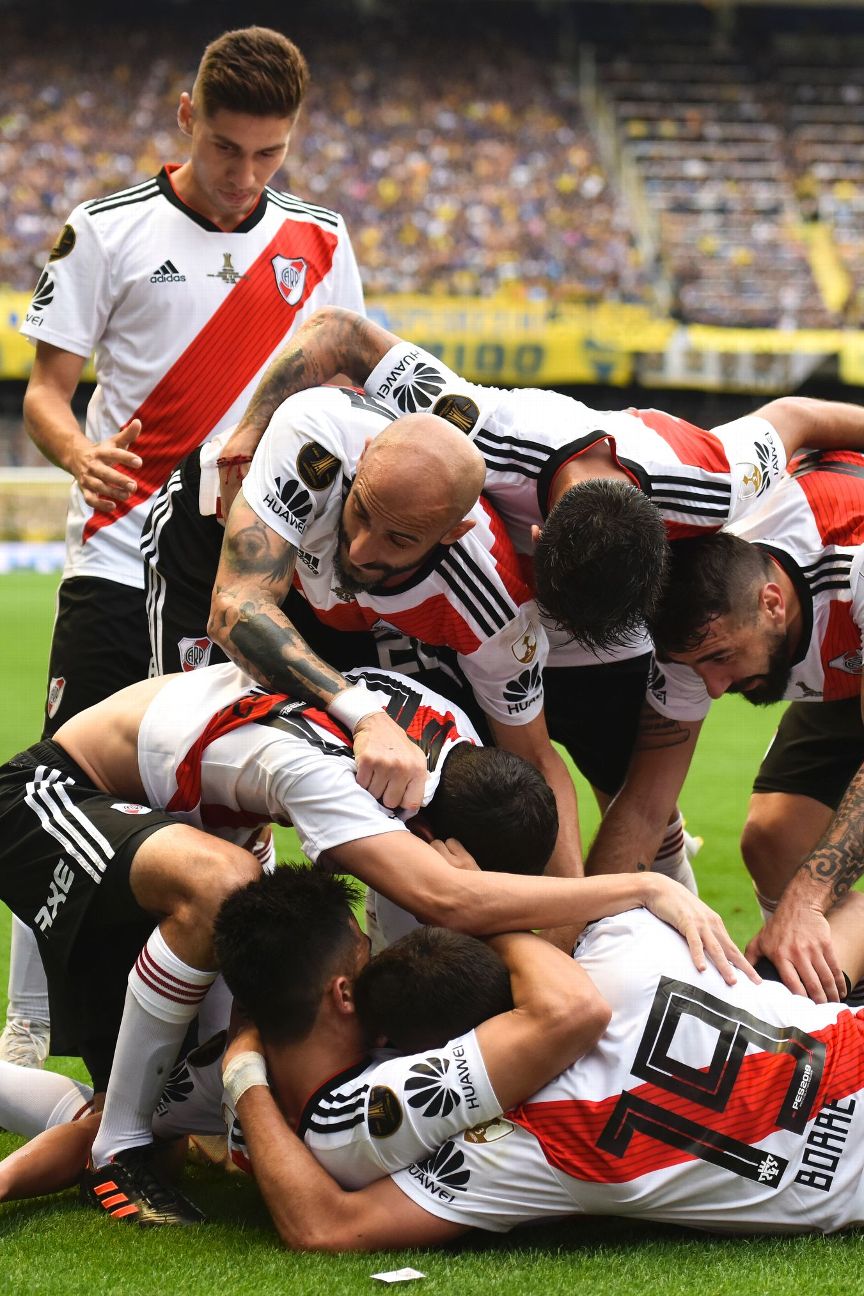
(182, 318)
(218, 751)
(728, 1108)
(812, 525)
(699, 480)
(468, 596)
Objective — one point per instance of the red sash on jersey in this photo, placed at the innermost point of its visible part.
(568, 1130)
(693, 445)
(245, 710)
(205, 381)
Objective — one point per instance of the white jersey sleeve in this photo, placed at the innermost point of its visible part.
(677, 691)
(385, 1116)
(757, 461)
(71, 305)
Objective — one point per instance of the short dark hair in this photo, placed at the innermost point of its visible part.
(429, 987)
(280, 939)
(600, 562)
(251, 70)
(709, 576)
(498, 805)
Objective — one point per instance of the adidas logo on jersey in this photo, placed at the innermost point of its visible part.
(167, 273)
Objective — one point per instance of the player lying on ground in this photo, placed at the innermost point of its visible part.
(713, 1107)
(89, 872)
(291, 941)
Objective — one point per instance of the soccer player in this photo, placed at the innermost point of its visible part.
(771, 609)
(591, 495)
(710, 1107)
(160, 282)
(87, 860)
(377, 521)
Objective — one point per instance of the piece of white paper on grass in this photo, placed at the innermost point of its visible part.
(399, 1275)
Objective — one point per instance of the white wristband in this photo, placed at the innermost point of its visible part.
(353, 705)
(241, 1073)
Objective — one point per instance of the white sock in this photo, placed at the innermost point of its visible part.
(32, 1101)
(28, 988)
(215, 1011)
(264, 851)
(163, 996)
(671, 859)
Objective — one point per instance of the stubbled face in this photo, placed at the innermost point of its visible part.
(381, 541)
(751, 659)
(234, 155)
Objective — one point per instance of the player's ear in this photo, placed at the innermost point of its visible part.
(342, 994)
(457, 532)
(184, 113)
(774, 603)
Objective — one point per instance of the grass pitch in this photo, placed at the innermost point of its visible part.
(53, 1246)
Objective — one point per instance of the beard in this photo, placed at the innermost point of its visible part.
(373, 579)
(771, 685)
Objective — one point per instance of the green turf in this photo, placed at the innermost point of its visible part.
(52, 1246)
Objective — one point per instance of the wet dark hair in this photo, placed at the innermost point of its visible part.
(280, 939)
(600, 562)
(709, 576)
(429, 987)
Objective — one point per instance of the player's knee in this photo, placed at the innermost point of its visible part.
(216, 871)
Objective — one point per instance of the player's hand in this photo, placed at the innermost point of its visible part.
(797, 940)
(244, 1040)
(454, 854)
(389, 764)
(102, 470)
(700, 926)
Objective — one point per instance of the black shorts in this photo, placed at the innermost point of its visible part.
(99, 645)
(181, 552)
(817, 749)
(593, 712)
(65, 854)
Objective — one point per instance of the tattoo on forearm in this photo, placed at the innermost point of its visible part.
(838, 860)
(278, 657)
(656, 732)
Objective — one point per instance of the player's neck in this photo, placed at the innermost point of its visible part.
(596, 461)
(189, 191)
(298, 1070)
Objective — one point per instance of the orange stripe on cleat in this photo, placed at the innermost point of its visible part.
(124, 1210)
(108, 1186)
(108, 1202)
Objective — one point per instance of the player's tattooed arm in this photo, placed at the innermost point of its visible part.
(658, 731)
(837, 863)
(246, 620)
(333, 342)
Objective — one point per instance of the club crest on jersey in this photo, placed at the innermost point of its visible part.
(850, 662)
(130, 808)
(290, 275)
(316, 466)
(194, 652)
(227, 274)
(55, 695)
(525, 647)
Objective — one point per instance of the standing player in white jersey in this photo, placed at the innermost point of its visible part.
(590, 496)
(84, 869)
(160, 282)
(772, 608)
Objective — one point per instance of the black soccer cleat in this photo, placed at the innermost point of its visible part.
(127, 1189)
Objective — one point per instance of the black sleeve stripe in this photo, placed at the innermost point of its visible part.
(486, 601)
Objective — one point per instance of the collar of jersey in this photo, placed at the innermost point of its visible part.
(168, 192)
